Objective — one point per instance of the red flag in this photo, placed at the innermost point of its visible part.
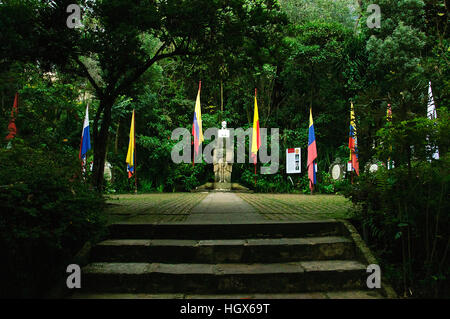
(12, 124)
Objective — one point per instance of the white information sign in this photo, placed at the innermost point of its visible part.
(349, 166)
(293, 159)
(224, 133)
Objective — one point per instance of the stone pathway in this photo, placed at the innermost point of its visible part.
(226, 208)
(151, 208)
(219, 245)
(291, 207)
(223, 208)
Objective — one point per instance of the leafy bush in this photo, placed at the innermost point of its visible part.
(404, 212)
(47, 213)
(280, 182)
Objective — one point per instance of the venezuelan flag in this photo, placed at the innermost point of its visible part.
(256, 137)
(197, 124)
(130, 155)
(312, 153)
(353, 142)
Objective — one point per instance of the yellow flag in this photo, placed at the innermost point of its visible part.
(256, 138)
(130, 154)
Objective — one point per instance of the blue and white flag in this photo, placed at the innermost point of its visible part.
(431, 112)
(85, 137)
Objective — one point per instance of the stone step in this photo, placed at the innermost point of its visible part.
(293, 277)
(268, 250)
(350, 294)
(129, 230)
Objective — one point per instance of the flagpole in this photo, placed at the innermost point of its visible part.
(193, 136)
(193, 125)
(134, 146)
(135, 167)
(256, 154)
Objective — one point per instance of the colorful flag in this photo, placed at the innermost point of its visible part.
(85, 144)
(353, 142)
(389, 113)
(432, 115)
(312, 153)
(130, 155)
(390, 164)
(256, 137)
(12, 124)
(197, 124)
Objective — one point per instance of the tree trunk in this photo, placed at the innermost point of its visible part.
(100, 143)
(116, 141)
(221, 100)
(360, 5)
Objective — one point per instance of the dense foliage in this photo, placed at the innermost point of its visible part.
(404, 212)
(299, 54)
(47, 213)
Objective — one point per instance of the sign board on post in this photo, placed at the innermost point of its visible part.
(224, 133)
(349, 166)
(293, 159)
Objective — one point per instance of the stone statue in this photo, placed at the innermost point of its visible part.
(222, 161)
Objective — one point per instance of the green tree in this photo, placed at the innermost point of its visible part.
(113, 41)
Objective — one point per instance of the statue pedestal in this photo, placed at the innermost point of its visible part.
(222, 186)
(223, 158)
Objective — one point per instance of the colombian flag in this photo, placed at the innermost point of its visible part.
(353, 142)
(130, 155)
(312, 153)
(256, 137)
(197, 124)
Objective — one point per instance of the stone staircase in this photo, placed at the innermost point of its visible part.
(313, 259)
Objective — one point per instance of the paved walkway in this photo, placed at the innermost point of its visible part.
(223, 208)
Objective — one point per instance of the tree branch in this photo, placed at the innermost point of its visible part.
(140, 70)
(89, 77)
